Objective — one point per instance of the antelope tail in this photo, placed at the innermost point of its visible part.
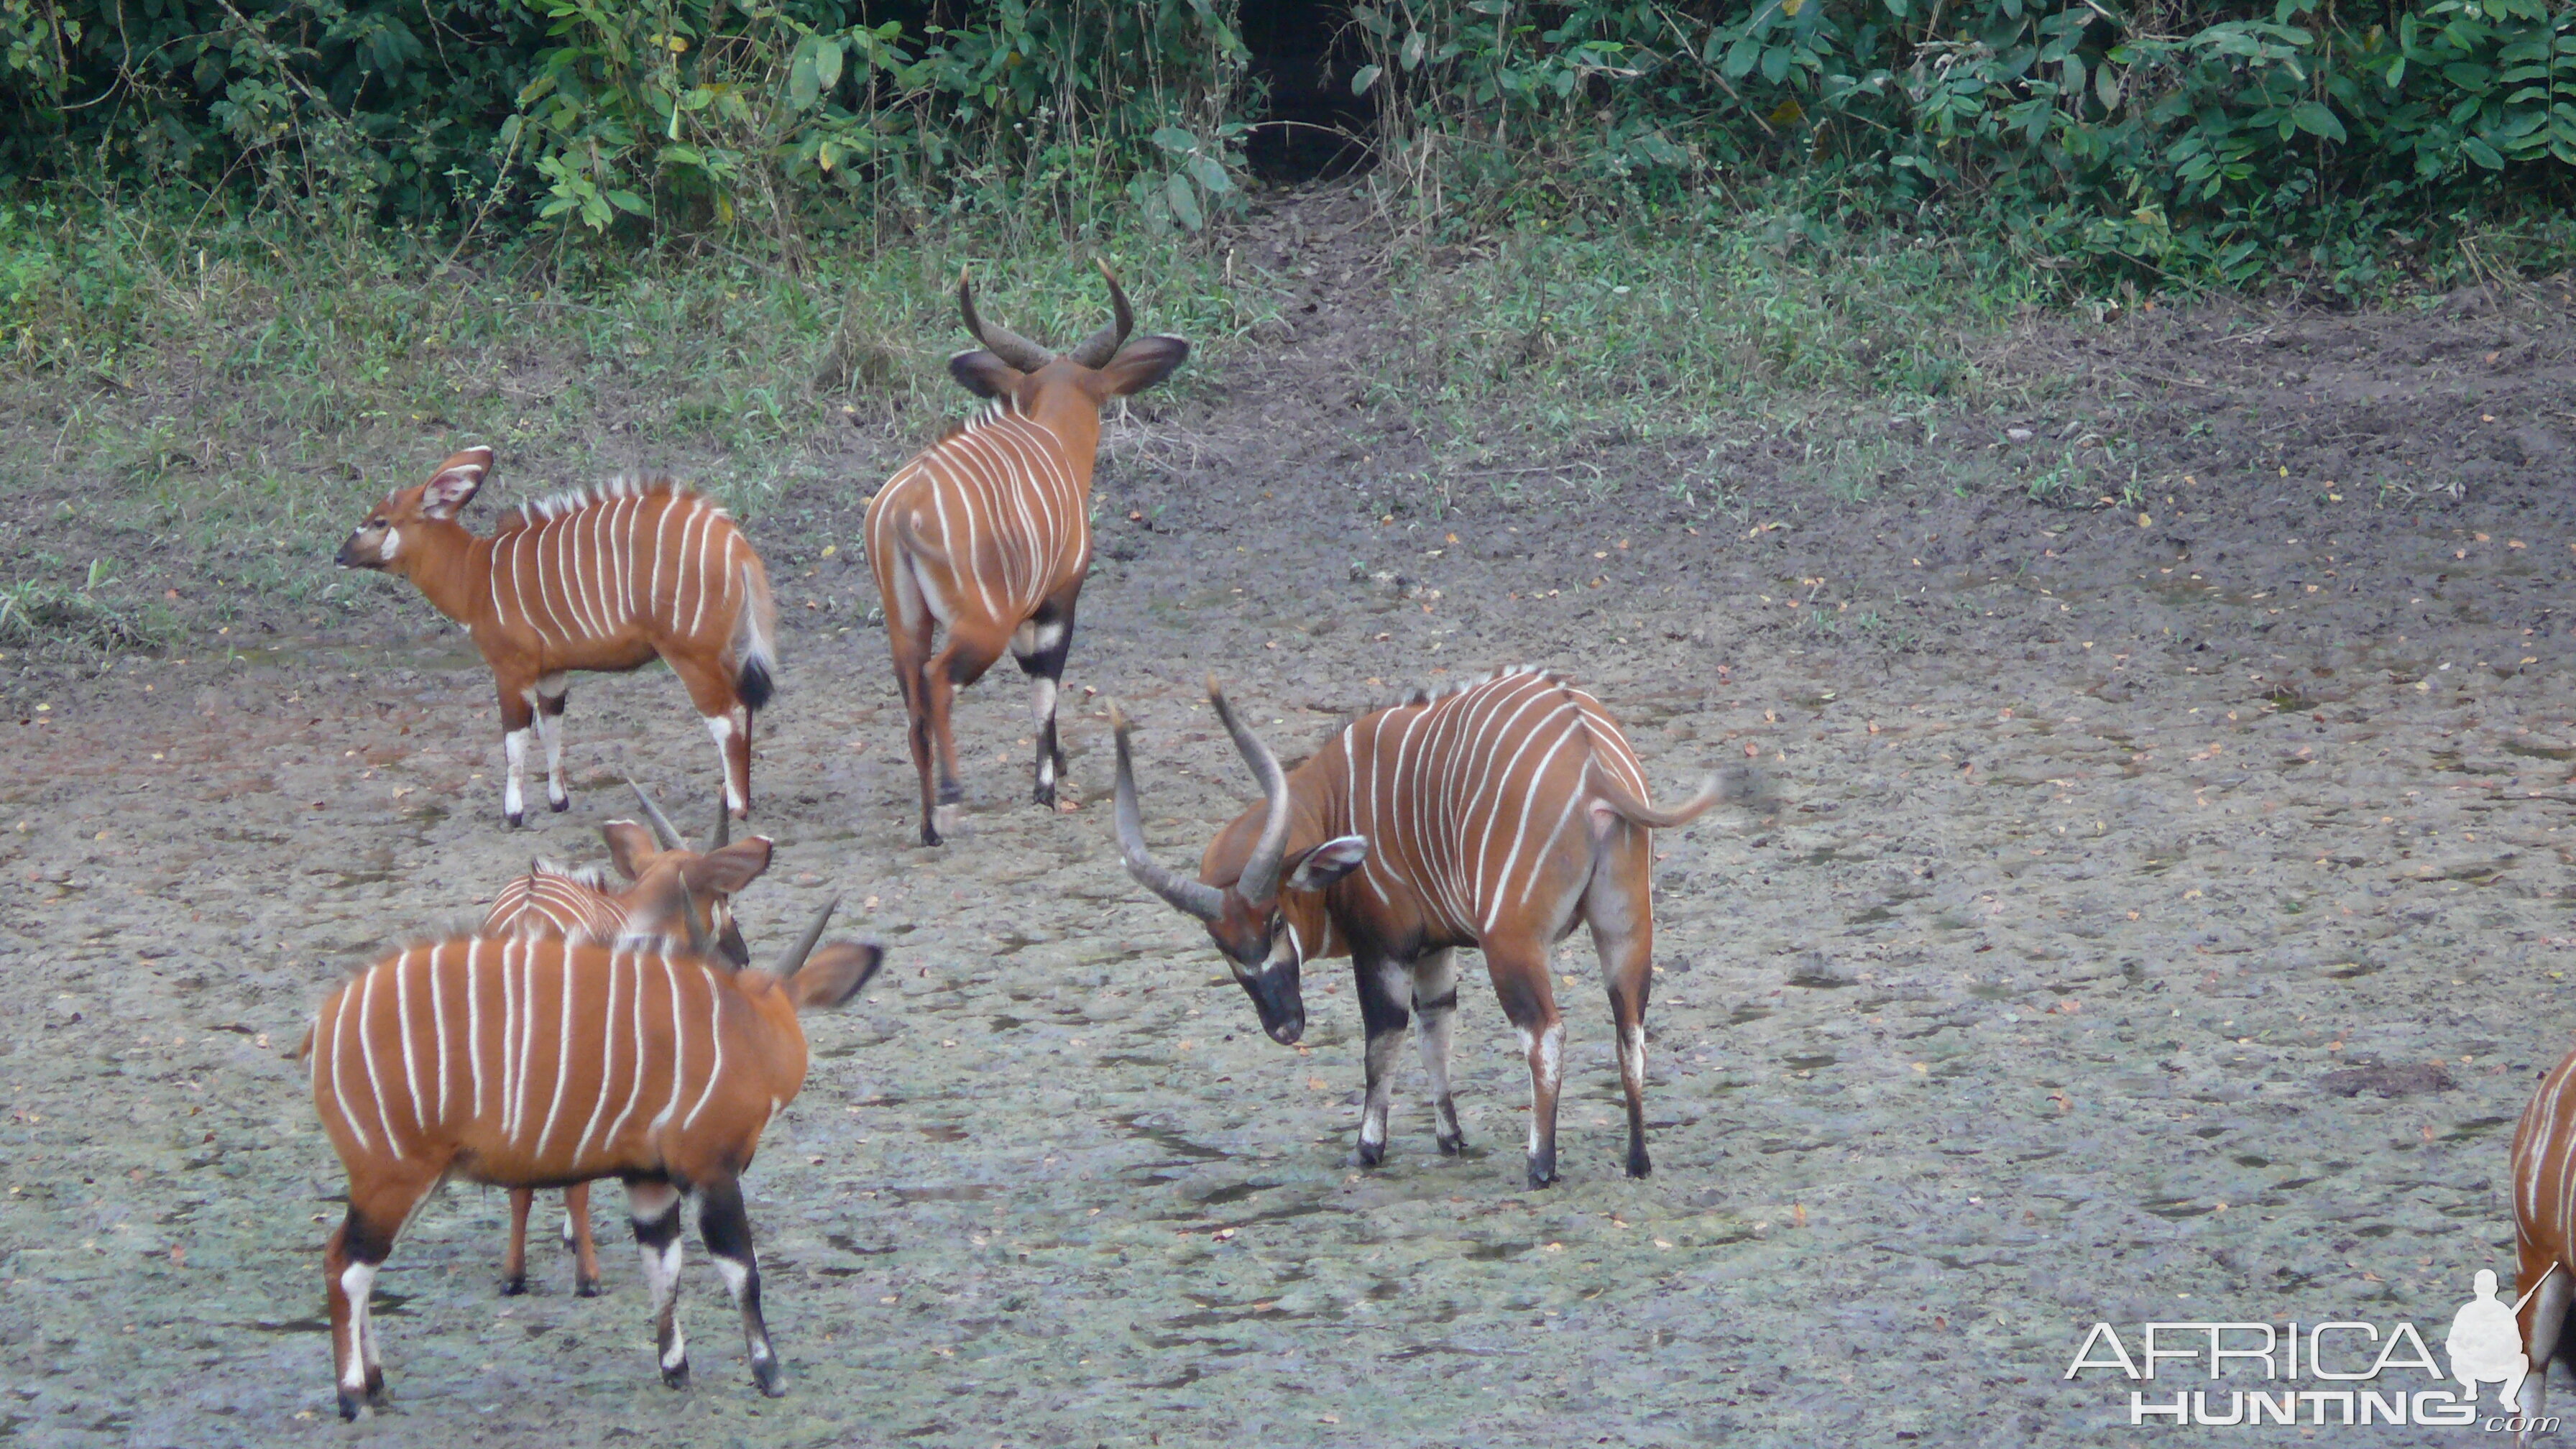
(910, 538)
(755, 639)
(1638, 812)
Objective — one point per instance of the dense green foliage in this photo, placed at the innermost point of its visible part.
(2235, 141)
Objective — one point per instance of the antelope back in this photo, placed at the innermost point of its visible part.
(2544, 1166)
(637, 556)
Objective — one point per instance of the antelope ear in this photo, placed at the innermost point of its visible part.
(983, 374)
(1328, 862)
(834, 974)
(454, 485)
(631, 847)
(730, 869)
(1142, 363)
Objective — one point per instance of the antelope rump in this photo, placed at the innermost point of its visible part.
(1494, 815)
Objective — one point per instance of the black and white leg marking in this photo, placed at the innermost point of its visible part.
(551, 692)
(655, 1208)
(1040, 645)
(1435, 1001)
(727, 1230)
(1386, 1000)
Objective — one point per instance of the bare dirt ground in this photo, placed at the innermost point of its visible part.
(2093, 844)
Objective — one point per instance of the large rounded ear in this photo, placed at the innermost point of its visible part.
(1141, 364)
(730, 869)
(834, 974)
(454, 485)
(631, 847)
(1328, 862)
(983, 374)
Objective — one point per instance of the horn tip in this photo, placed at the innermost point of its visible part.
(1117, 716)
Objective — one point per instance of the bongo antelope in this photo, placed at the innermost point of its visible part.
(1494, 815)
(2544, 1228)
(987, 533)
(550, 902)
(605, 579)
(535, 1063)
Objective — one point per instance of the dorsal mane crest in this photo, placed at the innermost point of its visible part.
(1414, 698)
(624, 485)
(589, 877)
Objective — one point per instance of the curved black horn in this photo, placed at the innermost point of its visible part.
(1260, 872)
(1001, 341)
(1100, 346)
(793, 959)
(1190, 897)
(663, 830)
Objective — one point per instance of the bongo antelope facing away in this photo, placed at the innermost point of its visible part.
(552, 903)
(606, 579)
(2544, 1228)
(987, 533)
(1494, 815)
(526, 1063)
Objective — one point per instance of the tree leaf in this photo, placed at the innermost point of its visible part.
(1185, 201)
(1206, 171)
(630, 203)
(1412, 53)
(1367, 77)
(2481, 153)
(804, 87)
(2313, 118)
(827, 63)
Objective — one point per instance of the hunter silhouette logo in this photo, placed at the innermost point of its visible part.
(2357, 1373)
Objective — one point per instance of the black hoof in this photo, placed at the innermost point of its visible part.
(1452, 1146)
(930, 835)
(514, 1286)
(516, 818)
(587, 1287)
(1542, 1171)
(1044, 795)
(676, 1378)
(350, 1404)
(1638, 1165)
(559, 806)
(766, 1375)
(377, 1398)
(1372, 1153)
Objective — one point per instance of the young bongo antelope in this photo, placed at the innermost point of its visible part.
(1495, 815)
(2544, 1229)
(987, 533)
(606, 579)
(665, 878)
(524, 1063)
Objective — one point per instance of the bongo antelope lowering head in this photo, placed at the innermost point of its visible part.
(534, 1063)
(606, 579)
(987, 534)
(1494, 815)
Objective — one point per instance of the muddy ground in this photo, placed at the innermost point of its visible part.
(2092, 845)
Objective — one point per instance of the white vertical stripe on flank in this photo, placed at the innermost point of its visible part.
(438, 1024)
(523, 1099)
(692, 560)
(491, 553)
(367, 1050)
(679, 1046)
(402, 1021)
(635, 1065)
(622, 546)
(564, 982)
(511, 1007)
(339, 1056)
(474, 1020)
(715, 1038)
(1503, 883)
(607, 1062)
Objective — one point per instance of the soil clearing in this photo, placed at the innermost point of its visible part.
(2095, 853)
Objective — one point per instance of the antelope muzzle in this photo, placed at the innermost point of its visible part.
(1275, 995)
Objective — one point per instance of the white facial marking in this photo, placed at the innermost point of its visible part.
(391, 546)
